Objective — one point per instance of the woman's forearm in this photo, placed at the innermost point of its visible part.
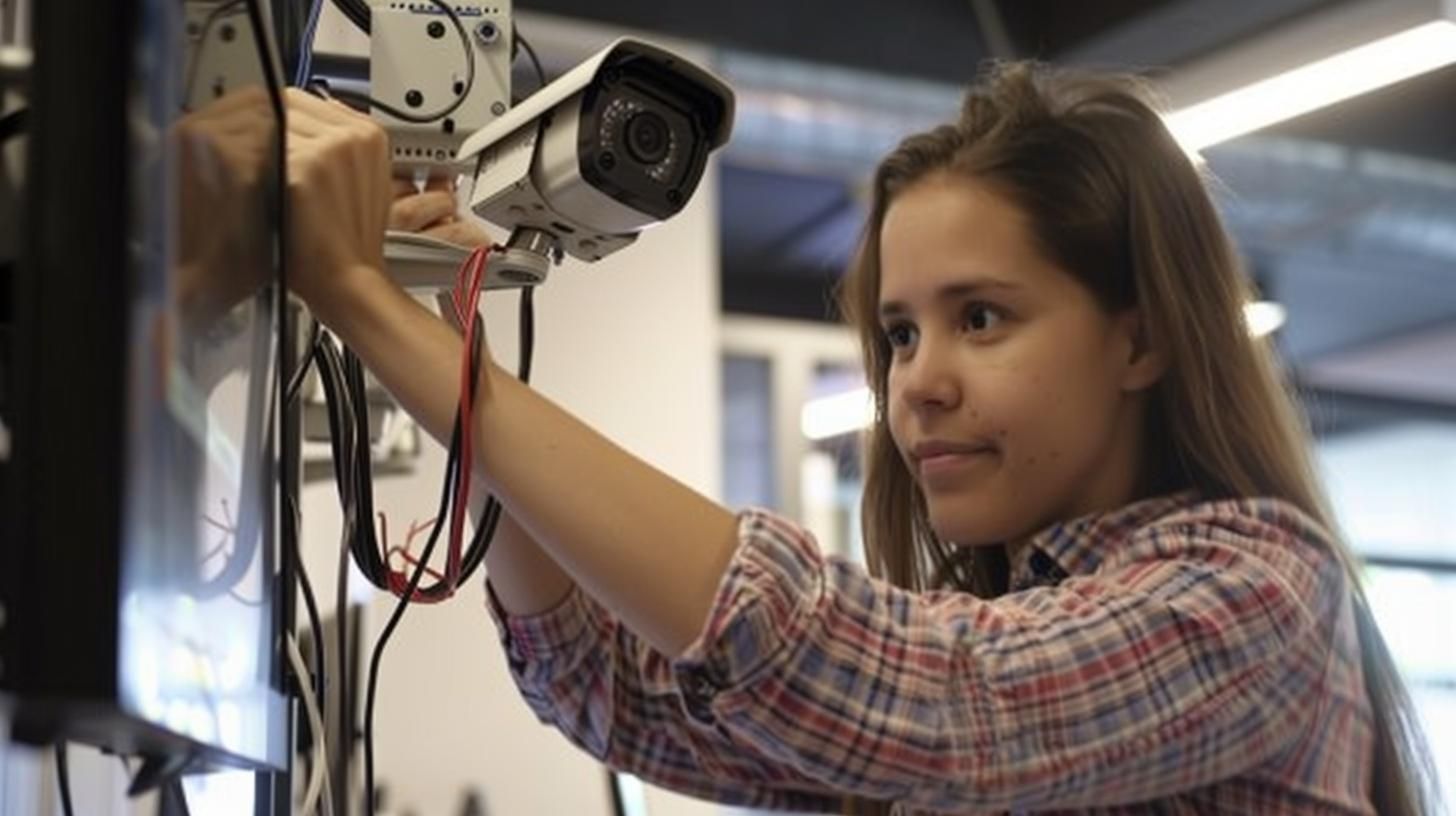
(522, 575)
(647, 547)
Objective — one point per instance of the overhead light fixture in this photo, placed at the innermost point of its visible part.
(837, 414)
(1315, 59)
(1315, 85)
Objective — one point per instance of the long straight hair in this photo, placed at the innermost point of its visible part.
(1110, 197)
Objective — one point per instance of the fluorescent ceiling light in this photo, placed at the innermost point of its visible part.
(1264, 317)
(1323, 82)
(850, 411)
(837, 414)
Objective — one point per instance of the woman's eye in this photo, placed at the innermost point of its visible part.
(900, 335)
(981, 317)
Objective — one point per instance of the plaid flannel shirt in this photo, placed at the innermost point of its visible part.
(1176, 656)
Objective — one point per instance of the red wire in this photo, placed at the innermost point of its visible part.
(414, 562)
(465, 298)
(399, 579)
(472, 278)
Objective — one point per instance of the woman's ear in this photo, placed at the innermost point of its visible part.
(1144, 357)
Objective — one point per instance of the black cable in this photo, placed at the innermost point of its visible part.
(346, 415)
(357, 12)
(452, 476)
(63, 779)
(344, 668)
(452, 473)
(315, 334)
(528, 333)
(343, 391)
(310, 604)
(13, 124)
(530, 52)
(490, 516)
(416, 118)
(344, 442)
(363, 473)
(484, 531)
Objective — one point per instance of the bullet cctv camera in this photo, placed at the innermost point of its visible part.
(617, 144)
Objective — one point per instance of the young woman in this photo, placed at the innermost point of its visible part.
(1102, 576)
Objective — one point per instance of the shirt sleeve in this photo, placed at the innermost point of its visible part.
(618, 699)
(1190, 657)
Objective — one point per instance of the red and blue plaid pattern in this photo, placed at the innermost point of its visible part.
(1176, 656)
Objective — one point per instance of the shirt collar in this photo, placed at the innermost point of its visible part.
(1078, 546)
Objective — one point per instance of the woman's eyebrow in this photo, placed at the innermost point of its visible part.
(950, 291)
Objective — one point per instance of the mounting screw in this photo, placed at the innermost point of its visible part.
(607, 160)
(498, 108)
(435, 29)
(227, 32)
(414, 99)
(487, 32)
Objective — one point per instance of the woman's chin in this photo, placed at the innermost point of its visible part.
(968, 527)
(965, 532)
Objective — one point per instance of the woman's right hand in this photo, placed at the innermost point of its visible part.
(339, 195)
(434, 212)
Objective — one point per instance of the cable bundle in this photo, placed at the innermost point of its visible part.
(348, 414)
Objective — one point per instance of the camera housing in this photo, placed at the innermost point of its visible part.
(615, 145)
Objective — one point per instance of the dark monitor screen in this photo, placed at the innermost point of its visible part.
(151, 410)
(196, 613)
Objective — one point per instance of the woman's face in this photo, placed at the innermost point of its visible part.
(1012, 393)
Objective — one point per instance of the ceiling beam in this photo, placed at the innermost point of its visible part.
(1173, 33)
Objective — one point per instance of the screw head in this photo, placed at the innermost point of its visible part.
(498, 108)
(435, 29)
(414, 99)
(487, 32)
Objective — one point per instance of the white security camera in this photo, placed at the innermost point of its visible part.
(580, 167)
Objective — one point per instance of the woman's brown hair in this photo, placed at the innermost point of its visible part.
(1110, 197)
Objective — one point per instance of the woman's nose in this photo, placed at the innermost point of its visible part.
(930, 380)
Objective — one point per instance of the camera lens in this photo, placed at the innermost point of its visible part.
(648, 137)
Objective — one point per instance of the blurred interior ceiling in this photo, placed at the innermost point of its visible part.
(1346, 215)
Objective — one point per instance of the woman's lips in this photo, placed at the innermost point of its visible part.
(938, 462)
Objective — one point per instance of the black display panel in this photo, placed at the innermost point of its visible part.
(141, 529)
